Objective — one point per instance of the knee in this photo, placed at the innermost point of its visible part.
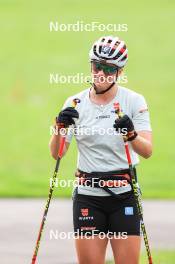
(91, 260)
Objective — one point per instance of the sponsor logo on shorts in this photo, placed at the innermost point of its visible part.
(84, 211)
(129, 211)
(85, 215)
(88, 228)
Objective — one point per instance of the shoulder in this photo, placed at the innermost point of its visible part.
(135, 101)
(132, 95)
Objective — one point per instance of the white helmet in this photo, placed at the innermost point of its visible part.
(111, 50)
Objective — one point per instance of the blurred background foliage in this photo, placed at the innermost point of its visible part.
(29, 103)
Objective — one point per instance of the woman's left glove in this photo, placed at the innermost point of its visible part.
(124, 125)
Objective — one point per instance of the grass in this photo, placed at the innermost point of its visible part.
(159, 257)
(29, 53)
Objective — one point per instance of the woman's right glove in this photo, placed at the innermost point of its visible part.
(65, 117)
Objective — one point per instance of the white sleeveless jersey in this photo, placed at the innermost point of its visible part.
(100, 147)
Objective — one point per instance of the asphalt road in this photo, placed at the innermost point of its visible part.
(20, 220)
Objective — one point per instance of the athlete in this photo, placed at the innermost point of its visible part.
(104, 207)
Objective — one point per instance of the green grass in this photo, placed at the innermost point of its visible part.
(159, 257)
(29, 52)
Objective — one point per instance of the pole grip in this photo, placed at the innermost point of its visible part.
(118, 110)
(120, 114)
(63, 138)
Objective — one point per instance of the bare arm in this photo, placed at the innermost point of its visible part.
(54, 145)
(142, 144)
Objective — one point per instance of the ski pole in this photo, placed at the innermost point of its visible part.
(135, 188)
(60, 153)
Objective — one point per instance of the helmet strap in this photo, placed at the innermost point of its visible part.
(107, 89)
(102, 92)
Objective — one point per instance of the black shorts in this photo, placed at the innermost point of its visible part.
(105, 214)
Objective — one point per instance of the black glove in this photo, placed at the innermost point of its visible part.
(125, 123)
(65, 117)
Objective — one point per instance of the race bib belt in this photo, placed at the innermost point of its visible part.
(106, 180)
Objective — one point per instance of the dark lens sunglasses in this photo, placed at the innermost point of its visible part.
(107, 69)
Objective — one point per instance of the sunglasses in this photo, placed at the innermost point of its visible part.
(107, 69)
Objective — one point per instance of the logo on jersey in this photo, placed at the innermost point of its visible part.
(129, 211)
(143, 110)
(113, 111)
(102, 116)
